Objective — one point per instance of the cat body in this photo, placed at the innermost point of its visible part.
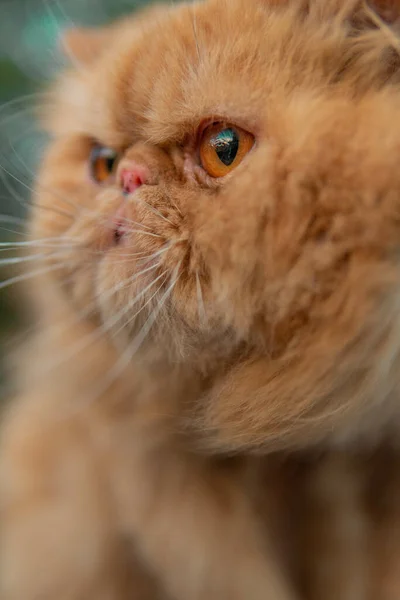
(218, 351)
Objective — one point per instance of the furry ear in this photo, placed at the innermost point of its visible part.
(387, 10)
(84, 45)
(371, 12)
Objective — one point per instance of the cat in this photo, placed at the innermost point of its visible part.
(217, 335)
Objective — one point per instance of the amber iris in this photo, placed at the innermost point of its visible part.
(102, 163)
(223, 147)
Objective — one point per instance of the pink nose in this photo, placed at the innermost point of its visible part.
(132, 177)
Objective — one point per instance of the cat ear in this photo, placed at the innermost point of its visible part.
(83, 44)
(371, 12)
(387, 10)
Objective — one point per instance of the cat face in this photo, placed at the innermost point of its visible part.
(227, 174)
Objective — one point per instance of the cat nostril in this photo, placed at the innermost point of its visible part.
(132, 178)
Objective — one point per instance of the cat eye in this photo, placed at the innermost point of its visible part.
(102, 163)
(223, 147)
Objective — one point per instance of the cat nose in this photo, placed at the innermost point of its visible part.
(132, 176)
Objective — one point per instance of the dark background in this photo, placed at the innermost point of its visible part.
(29, 58)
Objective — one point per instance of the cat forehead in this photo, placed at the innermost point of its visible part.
(177, 68)
(216, 59)
(194, 62)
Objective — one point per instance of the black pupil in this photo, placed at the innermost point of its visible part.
(102, 157)
(226, 144)
(109, 157)
(110, 162)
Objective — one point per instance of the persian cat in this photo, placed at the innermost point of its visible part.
(210, 406)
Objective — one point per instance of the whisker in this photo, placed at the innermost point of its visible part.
(155, 211)
(143, 255)
(122, 284)
(17, 101)
(14, 232)
(52, 328)
(33, 243)
(11, 219)
(27, 276)
(133, 317)
(53, 192)
(71, 57)
(62, 11)
(26, 204)
(130, 304)
(68, 201)
(24, 259)
(131, 222)
(109, 293)
(136, 343)
(89, 309)
(39, 246)
(174, 204)
(94, 336)
(94, 304)
(41, 186)
(155, 235)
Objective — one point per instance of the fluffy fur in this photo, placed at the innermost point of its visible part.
(207, 407)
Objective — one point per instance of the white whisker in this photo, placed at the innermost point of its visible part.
(155, 235)
(24, 259)
(136, 223)
(155, 211)
(133, 317)
(39, 243)
(122, 284)
(109, 293)
(27, 276)
(11, 219)
(142, 255)
(24, 203)
(16, 101)
(134, 346)
(94, 336)
(52, 192)
(45, 189)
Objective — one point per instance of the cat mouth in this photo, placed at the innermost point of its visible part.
(120, 233)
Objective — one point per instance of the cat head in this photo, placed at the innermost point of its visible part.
(226, 176)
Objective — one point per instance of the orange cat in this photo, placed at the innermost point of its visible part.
(223, 186)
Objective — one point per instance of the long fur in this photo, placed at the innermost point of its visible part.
(206, 407)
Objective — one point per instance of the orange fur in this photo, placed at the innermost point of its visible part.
(256, 314)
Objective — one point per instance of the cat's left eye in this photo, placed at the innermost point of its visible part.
(102, 163)
(223, 147)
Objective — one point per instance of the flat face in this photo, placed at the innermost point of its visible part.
(225, 173)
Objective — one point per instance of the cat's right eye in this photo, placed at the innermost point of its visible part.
(102, 163)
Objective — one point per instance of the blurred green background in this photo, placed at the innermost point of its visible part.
(29, 58)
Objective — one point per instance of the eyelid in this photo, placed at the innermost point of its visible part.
(195, 172)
